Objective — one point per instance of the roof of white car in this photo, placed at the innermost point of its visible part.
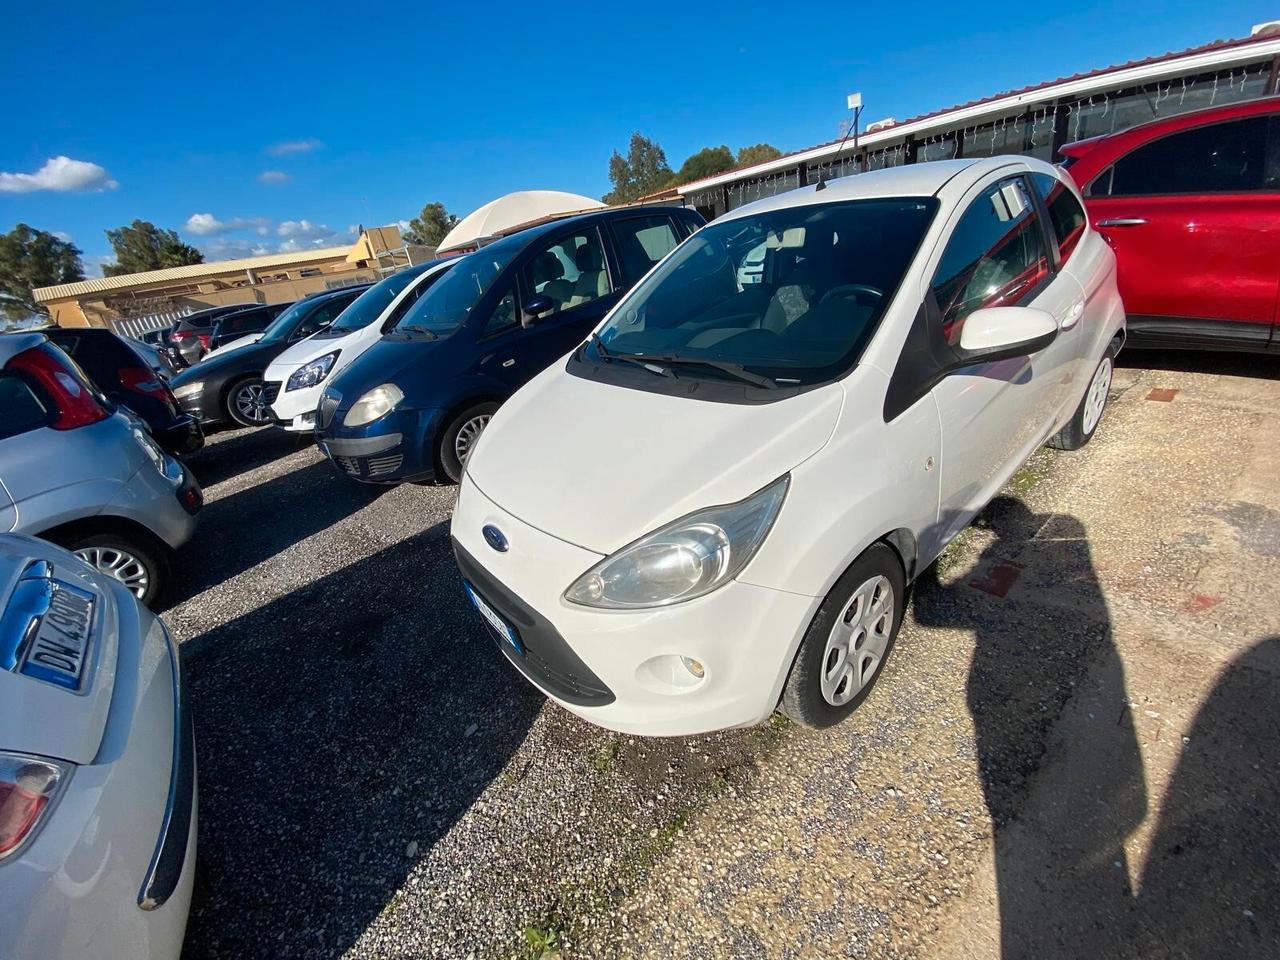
(911, 180)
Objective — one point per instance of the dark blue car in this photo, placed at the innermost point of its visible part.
(413, 405)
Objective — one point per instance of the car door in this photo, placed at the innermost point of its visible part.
(993, 415)
(1194, 218)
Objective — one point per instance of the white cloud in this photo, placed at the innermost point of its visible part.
(233, 248)
(272, 178)
(286, 147)
(61, 174)
(62, 235)
(207, 225)
(289, 246)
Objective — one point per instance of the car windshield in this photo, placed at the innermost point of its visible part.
(370, 305)
(444, 307)
(791, 294)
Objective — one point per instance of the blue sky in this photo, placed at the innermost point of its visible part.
(252, 126)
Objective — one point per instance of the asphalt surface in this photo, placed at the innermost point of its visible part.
(377, 781)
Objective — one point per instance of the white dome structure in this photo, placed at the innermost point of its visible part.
(523, 206)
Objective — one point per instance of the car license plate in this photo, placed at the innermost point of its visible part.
(56, 654)
(505, 630)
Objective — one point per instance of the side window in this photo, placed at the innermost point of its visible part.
(996, 256)
(642, 242)
(504, 315)
(321, 317)
(1065, 213)
(23, 408)
(570, 272)
(1218, 158)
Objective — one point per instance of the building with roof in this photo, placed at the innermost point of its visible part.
(1035, 120)
(137, 302)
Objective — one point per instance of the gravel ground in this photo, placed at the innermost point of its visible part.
(375, 778)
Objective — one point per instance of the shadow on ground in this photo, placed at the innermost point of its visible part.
(1258, 366)
(333, 731)
(224, 457)
(239, 531)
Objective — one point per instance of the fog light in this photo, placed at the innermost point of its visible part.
(695, 667)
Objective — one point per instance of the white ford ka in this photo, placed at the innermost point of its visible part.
(712, 508)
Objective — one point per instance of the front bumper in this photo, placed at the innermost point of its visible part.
(393, 449)
(203, 407)
(623, 669)
(293, 410)
(111, 871)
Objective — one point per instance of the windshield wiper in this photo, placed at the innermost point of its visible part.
(609, 356)
(735, 370)
(415, 328)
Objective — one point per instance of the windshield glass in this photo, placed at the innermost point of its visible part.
(444, 307)
(792, 294)
(369, 306)
(279, 328)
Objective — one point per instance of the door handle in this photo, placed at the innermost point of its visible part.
(1122, 222)
(509, 363)
(1074, 314)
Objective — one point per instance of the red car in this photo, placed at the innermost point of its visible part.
(1191, 206)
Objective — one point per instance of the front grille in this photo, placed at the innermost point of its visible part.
(383, 465)
(328, 406)
(350, 464)
(270, 390)
(370, 467)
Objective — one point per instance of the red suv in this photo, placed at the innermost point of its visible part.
(1191, 205)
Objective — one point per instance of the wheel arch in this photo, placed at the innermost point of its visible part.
(103, 523)
(446, 415)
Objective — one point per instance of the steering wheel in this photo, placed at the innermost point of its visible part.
(851, 290)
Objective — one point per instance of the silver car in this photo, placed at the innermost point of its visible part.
(87, 476)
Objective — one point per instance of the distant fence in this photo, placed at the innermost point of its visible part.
(137, 327)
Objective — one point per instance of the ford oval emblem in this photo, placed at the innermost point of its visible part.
(495, 538)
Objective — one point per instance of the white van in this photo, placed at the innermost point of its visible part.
(713, 507)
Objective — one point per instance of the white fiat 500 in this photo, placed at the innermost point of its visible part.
(296, 378)
(97, 766)
(713, 507)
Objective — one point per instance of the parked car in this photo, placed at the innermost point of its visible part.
(244, 324)
(189, 338)
(414, 404)
(157, 359)
(1191, 206)
(229, 386)
(714, 506)
(118, 370)
(81, 474)
(97, 769)
(296, 378)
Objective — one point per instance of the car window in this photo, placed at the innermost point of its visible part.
(1066, 216)
(23, 408)
(504, 315)
(249, 320)
(642, 242)
(569, 271)
(370, 304)
(996, 256)
(321, 317)
(450, 300)
(1218, 158)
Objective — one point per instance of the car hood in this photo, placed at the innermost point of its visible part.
(210, 367)
(36, 716)
(304, 351)
(391, 361)
(233, 345)
(599, 465)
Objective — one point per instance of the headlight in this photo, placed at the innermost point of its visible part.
(28, 787)
(685, 559)
(312, 373)
(168, 467)
(188, 390)
(378, 402)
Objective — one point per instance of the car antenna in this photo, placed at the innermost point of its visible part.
(855, 104)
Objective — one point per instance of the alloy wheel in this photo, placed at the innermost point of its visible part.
(251, 402)
(120, 564)
(858, 641)
(1096, 399)
(468, 434)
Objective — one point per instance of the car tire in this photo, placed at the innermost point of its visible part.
(1080, 429)
(460, 436)
(862, 614)
(244, 396)
(142, 566)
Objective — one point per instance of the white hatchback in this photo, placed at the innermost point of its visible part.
(295, 380)
(713, 508)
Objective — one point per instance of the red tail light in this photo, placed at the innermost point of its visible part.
(204, 338)
(145, 381)
(27, 784)
(49, 367)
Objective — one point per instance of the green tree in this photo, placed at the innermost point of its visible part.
(33, 258)
(707, 162)
(757, 153)
(430, 226)
(643, 170)
(144, 246)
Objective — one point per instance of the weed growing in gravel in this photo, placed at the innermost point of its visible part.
(606, 757)
(542, 938)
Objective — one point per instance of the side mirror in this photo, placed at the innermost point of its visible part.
(999, 333)
(538, 304)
